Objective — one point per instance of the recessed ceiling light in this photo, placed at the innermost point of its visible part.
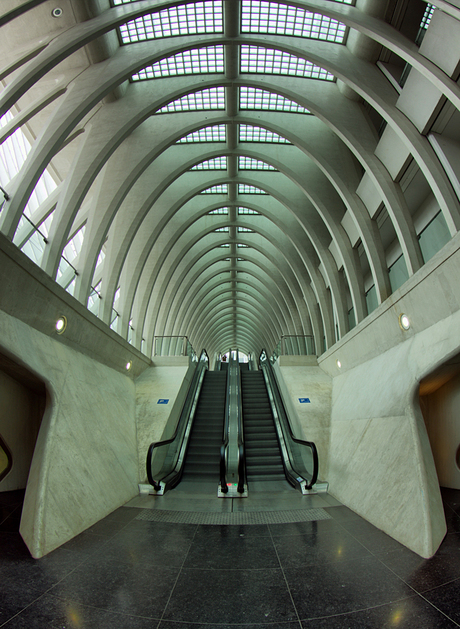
(57, 12)
(404, 322)
(338, 363)
(128, 365)
(61, 325)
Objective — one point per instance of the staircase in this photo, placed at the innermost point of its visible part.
(203, 453)
(263, 458)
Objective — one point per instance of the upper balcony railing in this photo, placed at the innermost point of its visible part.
(173, 346)
(294, 345)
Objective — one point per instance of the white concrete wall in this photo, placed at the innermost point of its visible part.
(441, 411)
(380, 461)
(21, 411)
(300, 377)
(85, 463)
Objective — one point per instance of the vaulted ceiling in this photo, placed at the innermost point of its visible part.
(231, 171)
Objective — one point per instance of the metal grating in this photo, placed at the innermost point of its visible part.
(258, 517)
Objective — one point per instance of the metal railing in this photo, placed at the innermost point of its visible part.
(173, 346)
(294, 345)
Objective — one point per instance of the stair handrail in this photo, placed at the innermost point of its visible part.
(187, 413)
(277, 400)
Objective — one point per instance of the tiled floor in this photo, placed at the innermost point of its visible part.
(332, 573)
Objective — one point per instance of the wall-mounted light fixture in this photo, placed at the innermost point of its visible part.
(404, 322)
(61, 324)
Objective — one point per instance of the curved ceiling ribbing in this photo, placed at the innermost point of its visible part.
(131, 185)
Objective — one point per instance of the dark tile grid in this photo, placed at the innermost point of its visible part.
(338, 573)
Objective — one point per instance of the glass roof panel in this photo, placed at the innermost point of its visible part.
(250, 133)
(217, 163)
(426, 19)
(248, 163)
(215, 133)
(244, 188)
(246, 210)
(221, 188)
(259, 16)
(195, 61)
(219, 210)
(212, 98)
(255, 98)
(222, 229)
(188, 19)
(245, 230)
(257, 59)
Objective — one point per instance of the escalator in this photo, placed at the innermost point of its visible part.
(263, 457)
(203, 451)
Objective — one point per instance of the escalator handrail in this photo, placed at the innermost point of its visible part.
(241, 448)
(279, 401)
(156, 444)
(225, 436)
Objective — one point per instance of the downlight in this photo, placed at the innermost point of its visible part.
(128, 365)
(338, 363)
(404, 322)
(57, 12)
(61, 325)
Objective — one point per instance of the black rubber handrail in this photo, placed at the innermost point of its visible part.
(223, 447)
(185, 411)
(280, 403)
(241, 449)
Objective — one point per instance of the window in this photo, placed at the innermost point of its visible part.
(196, 61)
(188, 19)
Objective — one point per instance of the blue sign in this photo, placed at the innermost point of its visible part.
(304, 400)
(162, 401)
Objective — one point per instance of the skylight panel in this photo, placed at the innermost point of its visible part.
(244, 188)
(255, 98)
(219, 210)
(215, 133)
(221, 188)
(196, 61)
(426, 19)
(248, 163)
(240, 245)
(188, 19)
(245, 210)
(216, 163)
(245, 230)
(259, 16)
(212, 98)
(250, 133)
(227, 244)
(222, 229)
(257, 59)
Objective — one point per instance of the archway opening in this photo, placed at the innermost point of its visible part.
(440, 404)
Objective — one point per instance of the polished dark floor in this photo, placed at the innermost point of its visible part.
(335, 573)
